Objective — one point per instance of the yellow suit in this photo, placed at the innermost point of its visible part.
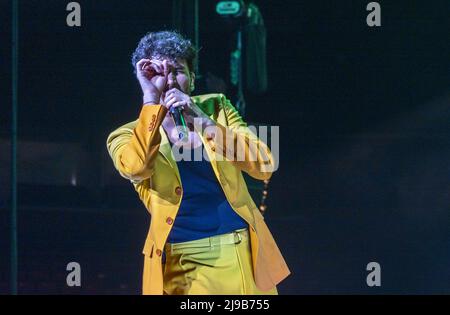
(142, 153)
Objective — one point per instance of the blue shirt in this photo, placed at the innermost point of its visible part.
(204, 209)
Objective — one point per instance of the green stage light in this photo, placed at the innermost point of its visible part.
(230, 8)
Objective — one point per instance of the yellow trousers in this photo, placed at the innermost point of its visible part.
(215, 265)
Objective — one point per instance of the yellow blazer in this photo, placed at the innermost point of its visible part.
(142, 153)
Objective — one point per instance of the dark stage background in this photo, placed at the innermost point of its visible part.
(364, 155)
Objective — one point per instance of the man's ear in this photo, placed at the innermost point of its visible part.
(192, 81)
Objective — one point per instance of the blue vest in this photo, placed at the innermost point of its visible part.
(204, 209)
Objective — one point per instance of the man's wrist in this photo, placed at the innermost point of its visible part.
(199, 114)
(150, 99)
(150, 103)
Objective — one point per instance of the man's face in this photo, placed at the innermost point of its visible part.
(179, 76)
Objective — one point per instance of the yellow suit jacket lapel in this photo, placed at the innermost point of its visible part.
(166, 150)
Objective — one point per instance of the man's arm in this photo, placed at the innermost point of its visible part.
(238, 144)
(134, 146)
(257, 160)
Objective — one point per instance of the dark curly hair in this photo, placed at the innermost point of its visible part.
(168, 44)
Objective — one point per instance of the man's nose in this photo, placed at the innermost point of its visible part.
(172, 81)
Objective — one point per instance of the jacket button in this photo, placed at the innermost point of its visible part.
(158, 252)
(213, 149)
(169, 220)
(178, 190)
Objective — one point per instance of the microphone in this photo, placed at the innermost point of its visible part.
(177, 116)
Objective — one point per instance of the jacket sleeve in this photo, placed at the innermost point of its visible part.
(133, 147)
(238, 144)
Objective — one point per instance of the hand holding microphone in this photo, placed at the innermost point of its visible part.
(176, 101)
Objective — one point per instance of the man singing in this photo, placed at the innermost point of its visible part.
(206, 234)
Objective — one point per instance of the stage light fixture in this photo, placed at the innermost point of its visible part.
(230, 8)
